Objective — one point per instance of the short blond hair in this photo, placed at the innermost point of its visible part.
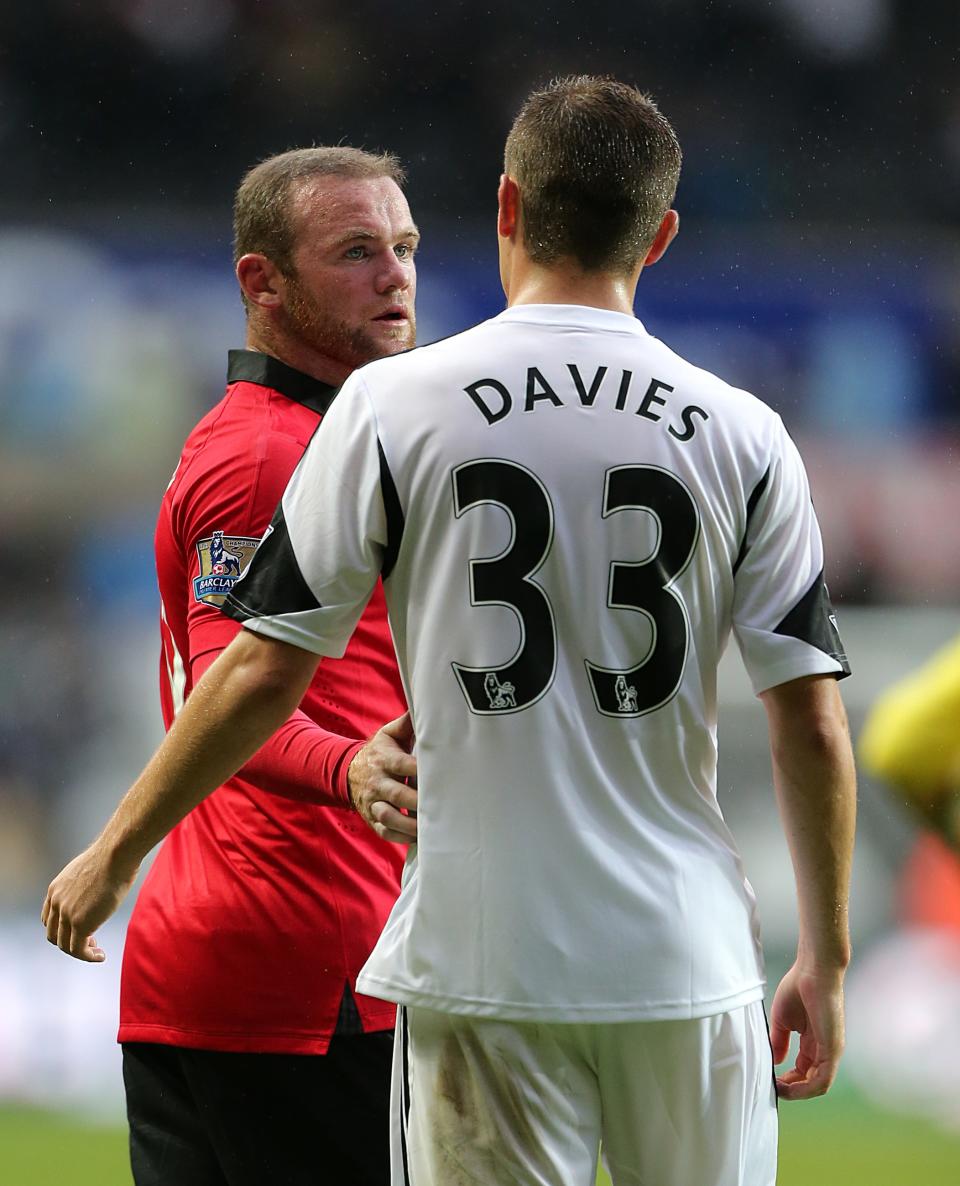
(262, 208)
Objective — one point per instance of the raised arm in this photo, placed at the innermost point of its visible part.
(816, 793)
(250, 690)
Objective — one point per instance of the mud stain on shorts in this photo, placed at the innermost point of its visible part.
(483, 1128)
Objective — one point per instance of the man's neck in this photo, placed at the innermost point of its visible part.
(297, 354)
(533, 284)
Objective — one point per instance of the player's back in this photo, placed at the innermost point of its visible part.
(584, 517)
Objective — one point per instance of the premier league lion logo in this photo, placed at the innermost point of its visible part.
(223, 562)
(626, 695)
(222, 559)
(500, 695)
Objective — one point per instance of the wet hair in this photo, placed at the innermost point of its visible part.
(597, 166)
(263, 206)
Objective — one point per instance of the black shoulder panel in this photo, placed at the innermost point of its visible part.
(755, 495)
(813, 621)
(273, 583)
(395, 520)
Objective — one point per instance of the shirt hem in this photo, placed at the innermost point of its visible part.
(244, 1042)
(561, 1012)
(791, 669)
(273, 626)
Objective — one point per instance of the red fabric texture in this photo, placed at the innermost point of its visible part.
(267, 898)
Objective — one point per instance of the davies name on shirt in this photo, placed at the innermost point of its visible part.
(493, 400)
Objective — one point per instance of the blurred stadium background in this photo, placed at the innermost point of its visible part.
(817, 266)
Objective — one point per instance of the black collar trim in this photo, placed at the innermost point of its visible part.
(250, 366)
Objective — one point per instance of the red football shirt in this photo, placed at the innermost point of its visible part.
(265, 901)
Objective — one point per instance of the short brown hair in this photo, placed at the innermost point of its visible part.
(597, 165)
(262, 208)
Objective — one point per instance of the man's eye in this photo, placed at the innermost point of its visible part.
(404, 250)
(355, 252)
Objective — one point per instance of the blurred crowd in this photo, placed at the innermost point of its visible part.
(841, 111)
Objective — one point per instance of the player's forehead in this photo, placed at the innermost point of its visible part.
(326, 210)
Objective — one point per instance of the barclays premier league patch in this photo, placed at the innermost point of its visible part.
(223, 560)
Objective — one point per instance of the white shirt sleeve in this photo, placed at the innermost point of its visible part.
(316, 568)
(782, 617)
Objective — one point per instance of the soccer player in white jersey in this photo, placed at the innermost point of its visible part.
(570, 521)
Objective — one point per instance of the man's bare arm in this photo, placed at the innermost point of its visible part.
(816, 793)
(250, 690)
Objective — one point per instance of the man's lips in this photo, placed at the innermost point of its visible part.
(394, 313)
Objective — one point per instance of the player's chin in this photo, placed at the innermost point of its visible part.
(394, 335)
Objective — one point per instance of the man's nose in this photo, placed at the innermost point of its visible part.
(395, 274)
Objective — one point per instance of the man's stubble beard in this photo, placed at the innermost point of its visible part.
(320, 329)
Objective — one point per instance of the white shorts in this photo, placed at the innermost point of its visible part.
(480, 1102)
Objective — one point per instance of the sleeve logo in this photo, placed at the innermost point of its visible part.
(223, 560)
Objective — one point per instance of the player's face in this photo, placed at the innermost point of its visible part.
(352, 296)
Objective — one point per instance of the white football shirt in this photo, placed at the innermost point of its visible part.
(569, 520)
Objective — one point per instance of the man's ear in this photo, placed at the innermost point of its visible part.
(666, 234)
(508, 207)
(260, 280)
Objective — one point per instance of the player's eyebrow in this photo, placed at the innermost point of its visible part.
(408, 233)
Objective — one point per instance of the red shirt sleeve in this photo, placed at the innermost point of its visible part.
(301, 760)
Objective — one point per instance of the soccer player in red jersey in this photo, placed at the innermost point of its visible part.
(248, 1058)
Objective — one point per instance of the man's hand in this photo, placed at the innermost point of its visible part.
(81, 898)
(248, 692)
(811, 1004)
(376, 784)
